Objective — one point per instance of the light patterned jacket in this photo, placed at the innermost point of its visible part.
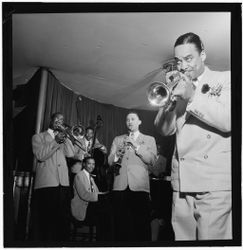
(51, 170)
(202, 157)
(135, 167)
(82, 195)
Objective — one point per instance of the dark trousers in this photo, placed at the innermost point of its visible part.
(161, 196)
(52, 214)
(131, 215)
(100, 214)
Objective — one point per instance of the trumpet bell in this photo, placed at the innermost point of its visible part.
(158, 94)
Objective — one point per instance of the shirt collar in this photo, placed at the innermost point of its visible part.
(51, 132)
(136, 134)
(199, 78)
(87, 173)
(87, 142)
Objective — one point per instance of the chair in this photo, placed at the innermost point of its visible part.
(91, 235)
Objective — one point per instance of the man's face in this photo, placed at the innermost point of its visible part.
(132, 122)
(190, 60)
(90, 165)
(57, 121)
(89, 134)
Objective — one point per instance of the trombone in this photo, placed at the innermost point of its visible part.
(68, 132)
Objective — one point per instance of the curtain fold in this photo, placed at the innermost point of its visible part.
(59, 99)
(77, 108)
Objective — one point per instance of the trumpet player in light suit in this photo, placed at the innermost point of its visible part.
(201, 165)
(131, 184)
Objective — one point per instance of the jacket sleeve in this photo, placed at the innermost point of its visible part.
(112, 154)
(82, 190)
(214, 110)
(159, 167)
(148, 151)
(69, 150)
(43, 149)
(165, 122)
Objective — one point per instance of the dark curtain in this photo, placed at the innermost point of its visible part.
(59, 99)
(77, 108)
(24, 123)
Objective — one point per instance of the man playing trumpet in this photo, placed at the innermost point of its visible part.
(201, 164)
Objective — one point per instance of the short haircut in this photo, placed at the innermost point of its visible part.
(190, 38)
(89, 128)
(56, 114)
(87, 158)
(133, 112)
(53, 116)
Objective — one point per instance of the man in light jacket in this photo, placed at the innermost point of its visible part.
(201, 165)
(136, 153)
(90, 205)
(51, 187)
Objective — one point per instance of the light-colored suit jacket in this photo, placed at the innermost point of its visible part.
(202, 158)
(51, 170)
(82, 195)
(134, 170)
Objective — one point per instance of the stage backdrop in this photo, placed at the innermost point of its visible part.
(77, 108)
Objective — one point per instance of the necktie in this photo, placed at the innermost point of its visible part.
(89, 146)
(132, 136)
(91, 185)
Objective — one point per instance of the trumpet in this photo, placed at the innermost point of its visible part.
(159, 93)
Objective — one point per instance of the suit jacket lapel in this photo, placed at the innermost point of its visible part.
(140, 139)
(47, 136)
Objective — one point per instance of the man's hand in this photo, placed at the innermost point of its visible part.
(120, 151)
(60, 137)
(185, 89)
(103, 149)
(131, 142)
(172, 76)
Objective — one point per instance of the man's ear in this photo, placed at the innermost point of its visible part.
(140, 122)
(203, 55)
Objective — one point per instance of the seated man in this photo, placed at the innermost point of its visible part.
(89, 204)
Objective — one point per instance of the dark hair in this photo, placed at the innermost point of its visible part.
(91, 128)
(87, 158)
(190, 38)
(53, 116)
(133, 112)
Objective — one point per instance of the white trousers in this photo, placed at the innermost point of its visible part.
(202, 216)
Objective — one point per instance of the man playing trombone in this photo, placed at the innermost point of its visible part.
(51, 188)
